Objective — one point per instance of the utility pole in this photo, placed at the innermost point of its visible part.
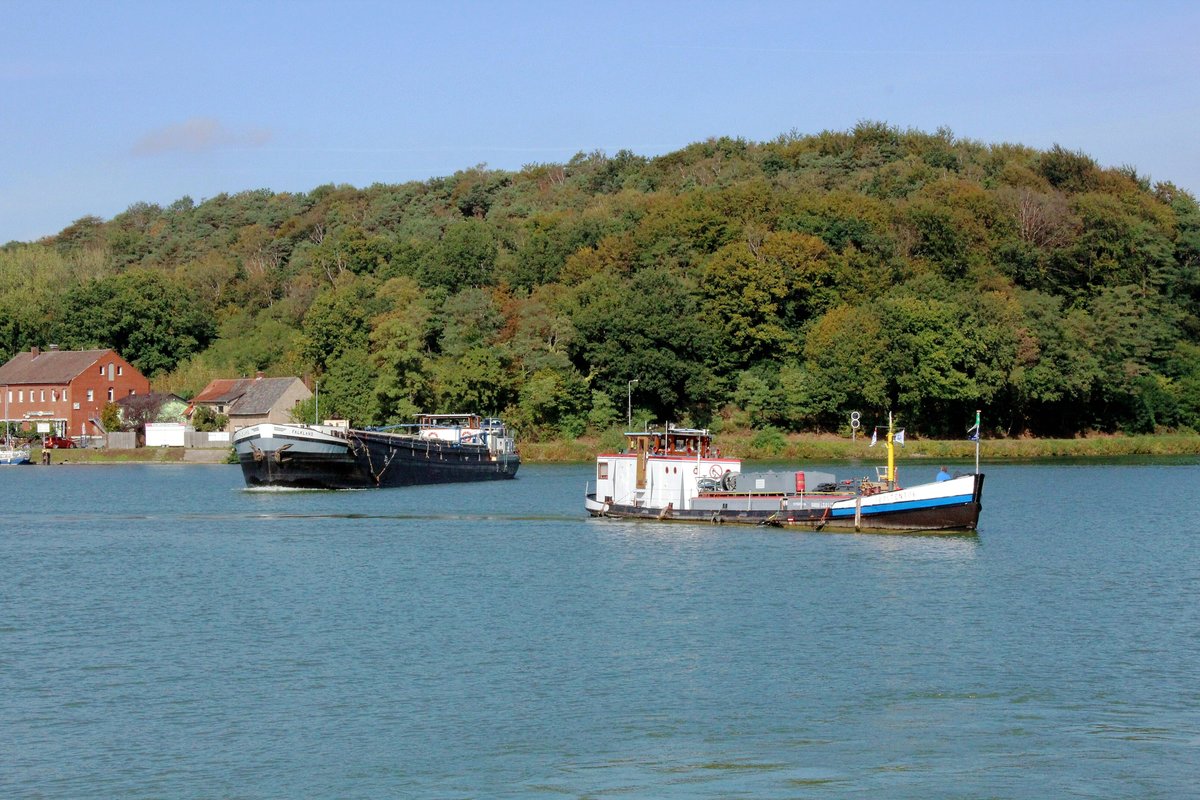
(629, 403)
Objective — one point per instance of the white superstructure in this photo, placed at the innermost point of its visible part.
(661, 469)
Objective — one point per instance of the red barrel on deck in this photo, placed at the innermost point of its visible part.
(799, 483)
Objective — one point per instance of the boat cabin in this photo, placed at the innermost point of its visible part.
(688, 442)
(447, 427)
(660, 468)
(466, 429)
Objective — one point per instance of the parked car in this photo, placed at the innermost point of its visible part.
(58, 443)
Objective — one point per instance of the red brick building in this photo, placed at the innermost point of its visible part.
(65, 388)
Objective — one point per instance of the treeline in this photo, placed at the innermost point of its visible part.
(782, 284)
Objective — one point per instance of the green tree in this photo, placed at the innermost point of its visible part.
(465, 256)
(150, 320)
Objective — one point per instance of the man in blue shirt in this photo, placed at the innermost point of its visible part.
(943, 475)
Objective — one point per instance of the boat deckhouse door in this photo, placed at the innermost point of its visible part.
(642, 446)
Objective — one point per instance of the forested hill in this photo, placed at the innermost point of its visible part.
(782, 283)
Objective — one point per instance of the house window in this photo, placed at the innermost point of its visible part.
(54, 395)
(132, 392)
(91, 395)
(110, 394)
(120, 369)
(110, 370)
(20, 395)
(64, 395)
(42, 398)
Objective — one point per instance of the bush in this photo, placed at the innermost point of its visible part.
(206, 420)
(768, 440)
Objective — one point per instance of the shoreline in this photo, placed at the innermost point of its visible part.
(826, 448)
(746, 446)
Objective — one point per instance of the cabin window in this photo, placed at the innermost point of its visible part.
(601, 470)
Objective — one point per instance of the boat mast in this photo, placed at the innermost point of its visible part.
(891, 465)
(978, 431)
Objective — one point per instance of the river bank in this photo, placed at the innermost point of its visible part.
(141, 455)
(751, 446)
(827, 448)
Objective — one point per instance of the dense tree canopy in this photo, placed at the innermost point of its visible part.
(780, 283)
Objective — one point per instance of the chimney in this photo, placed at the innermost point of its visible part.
(35, 351)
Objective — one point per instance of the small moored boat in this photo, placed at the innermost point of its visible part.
(677, 474)
(10, 455)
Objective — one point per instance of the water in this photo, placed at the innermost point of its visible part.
(164, 633)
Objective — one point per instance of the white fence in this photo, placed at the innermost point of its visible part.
(169, 435)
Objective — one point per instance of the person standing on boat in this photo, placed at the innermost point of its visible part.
(943, 475)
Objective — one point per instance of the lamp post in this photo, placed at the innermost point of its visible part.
(629, 403)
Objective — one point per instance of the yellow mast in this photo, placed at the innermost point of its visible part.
(891, 465)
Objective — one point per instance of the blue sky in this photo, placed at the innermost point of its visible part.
(105, 104)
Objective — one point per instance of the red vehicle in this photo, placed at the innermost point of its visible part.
(58, 443)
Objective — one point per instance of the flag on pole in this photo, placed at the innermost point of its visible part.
(899, 437)
(973, 432)
(873, 433)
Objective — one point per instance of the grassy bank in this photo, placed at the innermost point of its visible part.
(87, 455)
(751, 446)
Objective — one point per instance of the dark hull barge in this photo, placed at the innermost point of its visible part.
(335, 456)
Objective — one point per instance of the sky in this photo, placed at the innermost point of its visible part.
(108, 104)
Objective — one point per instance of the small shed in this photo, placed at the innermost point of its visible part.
(165, 434)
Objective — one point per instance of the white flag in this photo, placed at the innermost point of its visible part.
(873, 432)
(899, 437)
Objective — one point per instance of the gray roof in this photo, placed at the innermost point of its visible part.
(246, 396)
(48, 366)
(261, 395)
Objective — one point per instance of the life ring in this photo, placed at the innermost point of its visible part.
(695, 470)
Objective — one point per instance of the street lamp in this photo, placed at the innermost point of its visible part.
(629, 403)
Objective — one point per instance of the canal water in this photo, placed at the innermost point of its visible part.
(166, 634)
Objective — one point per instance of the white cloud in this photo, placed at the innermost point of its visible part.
(198, 135)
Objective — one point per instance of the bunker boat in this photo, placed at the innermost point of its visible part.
(677, 474)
